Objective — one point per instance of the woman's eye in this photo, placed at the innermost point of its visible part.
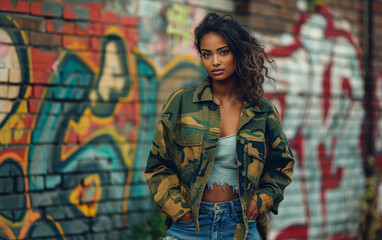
(224, 52)
(206, 55)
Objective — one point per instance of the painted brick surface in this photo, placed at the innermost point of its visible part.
(82, 84)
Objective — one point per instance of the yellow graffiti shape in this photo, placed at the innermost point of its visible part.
(87, 195)
(13, 128)
(112, 77)
(177, 17)
(178, 24)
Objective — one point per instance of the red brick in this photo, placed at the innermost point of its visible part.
(75, 43)
(255, 8)
(44, 39)
(377, 32)
(93, 5)
(68, 14)
(292, 6)
(59, 26)
(357, 5)
(266, 10)
(49, 9)
(41, 73)
(95, 43)
(76, 13)
(108, 17)
(97, 30)
(242, 8)
(287, 15)
(132, 37)
(71, 137)
(35, 8)
(277, 3)
(31, 23)
(95, 15)
(377, 20)
(377, 8)
(49, 26)
(68, 28)
(355, 17)
(20, 6)
(33, 105)
(288, 27)
(130, 21)
(258, 23)
(37, 91)
(27, 120)
(83, 32)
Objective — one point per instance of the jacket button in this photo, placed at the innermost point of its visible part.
(243, 173)
(242, 141)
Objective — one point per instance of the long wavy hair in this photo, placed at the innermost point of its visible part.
(249, 54)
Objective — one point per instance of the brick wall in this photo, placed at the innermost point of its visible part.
(82, 82)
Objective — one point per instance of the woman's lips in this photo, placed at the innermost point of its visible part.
(217, 71)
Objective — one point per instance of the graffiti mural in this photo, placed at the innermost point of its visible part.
(166, 30)
(323, 115)
(81, 135)
(78, 110)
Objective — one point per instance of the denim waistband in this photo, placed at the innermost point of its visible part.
(220, 206)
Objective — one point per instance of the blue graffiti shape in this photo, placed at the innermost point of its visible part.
(65, 100)
(12, 206)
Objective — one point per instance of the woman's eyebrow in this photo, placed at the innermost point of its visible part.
(216, 49)
(221, 48)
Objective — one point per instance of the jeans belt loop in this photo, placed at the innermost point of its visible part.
(232, 206)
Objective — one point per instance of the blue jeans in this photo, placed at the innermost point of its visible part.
(216, 221)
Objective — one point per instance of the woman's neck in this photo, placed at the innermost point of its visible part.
(224, 90)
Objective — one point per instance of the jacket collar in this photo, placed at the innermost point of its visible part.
(203, 93)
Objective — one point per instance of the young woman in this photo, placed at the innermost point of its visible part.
(219, 159)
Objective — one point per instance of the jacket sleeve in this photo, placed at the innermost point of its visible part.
(278, 168)
(161, 174)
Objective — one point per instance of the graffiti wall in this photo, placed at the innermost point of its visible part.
(78, 110)
(81, 86)
(323, 117)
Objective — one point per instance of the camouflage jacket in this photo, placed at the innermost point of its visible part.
(184, 147)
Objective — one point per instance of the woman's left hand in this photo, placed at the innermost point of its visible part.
(252, 211)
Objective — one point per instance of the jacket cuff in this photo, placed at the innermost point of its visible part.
(176, 208)
(264, 201)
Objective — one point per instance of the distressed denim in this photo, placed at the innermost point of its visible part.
(217, 222)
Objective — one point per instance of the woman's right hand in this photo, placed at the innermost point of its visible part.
(186, 217)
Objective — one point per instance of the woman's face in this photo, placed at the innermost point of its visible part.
(217, 58)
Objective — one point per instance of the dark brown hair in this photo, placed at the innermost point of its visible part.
(250, 55)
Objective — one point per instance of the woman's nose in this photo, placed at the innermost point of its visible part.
(215, 61)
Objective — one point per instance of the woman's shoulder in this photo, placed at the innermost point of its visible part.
(268, 106)
(172, 107)
(264, 105)
(180, 93)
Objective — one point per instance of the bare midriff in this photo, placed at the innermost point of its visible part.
(219, 194)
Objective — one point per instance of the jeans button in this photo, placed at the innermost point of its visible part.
(217, 207)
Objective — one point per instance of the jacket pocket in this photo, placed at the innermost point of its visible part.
(256, 160)
(256, 150)
(188, 147)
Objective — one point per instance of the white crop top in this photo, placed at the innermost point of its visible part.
(224, 170)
